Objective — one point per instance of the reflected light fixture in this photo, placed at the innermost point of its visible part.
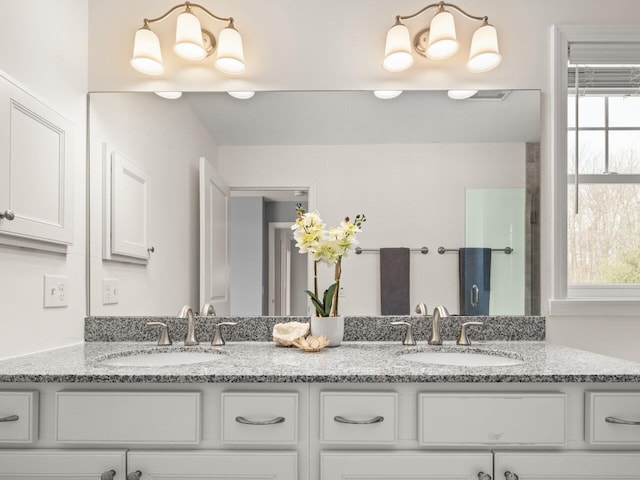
(461, 94)
(242, 95)
(192, 42)
(439, 41)
(387, 94)
(169, 95)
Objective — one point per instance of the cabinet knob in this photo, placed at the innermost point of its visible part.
(483, 476)
(109, 475)
(8, 214)
(134, 475)
(511, 476)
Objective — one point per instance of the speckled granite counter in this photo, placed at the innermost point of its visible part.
(353, 362)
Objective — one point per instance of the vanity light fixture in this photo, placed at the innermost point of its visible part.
(439, 41)
(387, 94)
(169, 95)
(242, 95)
(192, 42)
(461, 94)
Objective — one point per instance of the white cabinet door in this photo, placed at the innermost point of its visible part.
(214, 465)
(62, 464)
(567, 466)
(214, 239)
(405, 465)
(36, 169)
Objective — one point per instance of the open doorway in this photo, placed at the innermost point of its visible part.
(267, 274)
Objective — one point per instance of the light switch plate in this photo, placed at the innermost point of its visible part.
(110, 291)
(55, 291)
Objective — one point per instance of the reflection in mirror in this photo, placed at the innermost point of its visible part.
(411, 164)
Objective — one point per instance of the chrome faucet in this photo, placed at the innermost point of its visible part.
(207, 310)
(439, 312)
(190, 339)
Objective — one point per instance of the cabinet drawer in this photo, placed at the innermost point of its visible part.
(615, 407)
(18, 417)
(260, 418)
(43, 464)
(128, 417)
(492, 419)
(359, 417)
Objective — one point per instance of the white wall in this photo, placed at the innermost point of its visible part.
(412, 195)
(43, 45)
(165, 139)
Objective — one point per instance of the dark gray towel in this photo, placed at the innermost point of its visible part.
(394, 281)
(475, 280)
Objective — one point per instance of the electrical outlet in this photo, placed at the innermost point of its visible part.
(55, 291)
(110, 291)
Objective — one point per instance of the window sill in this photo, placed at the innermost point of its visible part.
(595, 307)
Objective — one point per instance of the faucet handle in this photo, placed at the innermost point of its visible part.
(164, 338)
(207, 310)
(408, 338)
(421, 309)
(218, 340)
(462, 339)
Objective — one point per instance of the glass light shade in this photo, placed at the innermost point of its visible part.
(169, 95)
(443, 42)
(387, 94)
(230, 57)
(242, 95)
(461, 94)
(397, 50)
(147, 57)
(484, 54)
(189, 43)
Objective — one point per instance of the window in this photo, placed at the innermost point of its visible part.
(596, 171)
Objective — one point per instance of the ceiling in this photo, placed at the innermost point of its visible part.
(357, 117)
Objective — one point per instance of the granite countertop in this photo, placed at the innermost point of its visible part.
(352, 362)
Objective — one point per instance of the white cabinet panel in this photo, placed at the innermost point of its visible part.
(568, 465)
(61, 464)
(492, 419)
(612, 418)
(260, 418)
(129, 418)
(36, 168)
(18, 417)
(405, 465)
(214, 465)
(129, 209)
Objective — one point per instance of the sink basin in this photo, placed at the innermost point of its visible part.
(154, 358)
(462, 359)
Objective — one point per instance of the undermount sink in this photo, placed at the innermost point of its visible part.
(155, 358)
(463, 359)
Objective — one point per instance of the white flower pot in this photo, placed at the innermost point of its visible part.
(330, 327)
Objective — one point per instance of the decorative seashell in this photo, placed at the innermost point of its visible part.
(284, 334)
(311, 343)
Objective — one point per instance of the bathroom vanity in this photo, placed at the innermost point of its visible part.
(253, 410)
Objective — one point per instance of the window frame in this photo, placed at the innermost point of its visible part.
(610, 300)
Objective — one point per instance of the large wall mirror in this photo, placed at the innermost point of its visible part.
(427, 170)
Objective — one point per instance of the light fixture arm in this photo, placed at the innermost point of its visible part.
(186, 5)
(440, 6)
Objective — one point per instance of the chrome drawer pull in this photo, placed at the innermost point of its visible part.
(341, 419)
(483, 476)
(619, 421)
(109, 475)
(273, 421)
(134, 475)
(511, 476)
(10, 418)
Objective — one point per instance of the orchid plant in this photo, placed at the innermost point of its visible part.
(326, 246)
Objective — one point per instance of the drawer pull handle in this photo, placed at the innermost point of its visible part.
(483, 476)
(273, 421)
(10, 418)
(341, 419)
(511, 476)
(8, 214)
(619, 421)
(134, 475)
(110, 475)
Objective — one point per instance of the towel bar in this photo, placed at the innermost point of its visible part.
(423, 250)
(441, 250)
